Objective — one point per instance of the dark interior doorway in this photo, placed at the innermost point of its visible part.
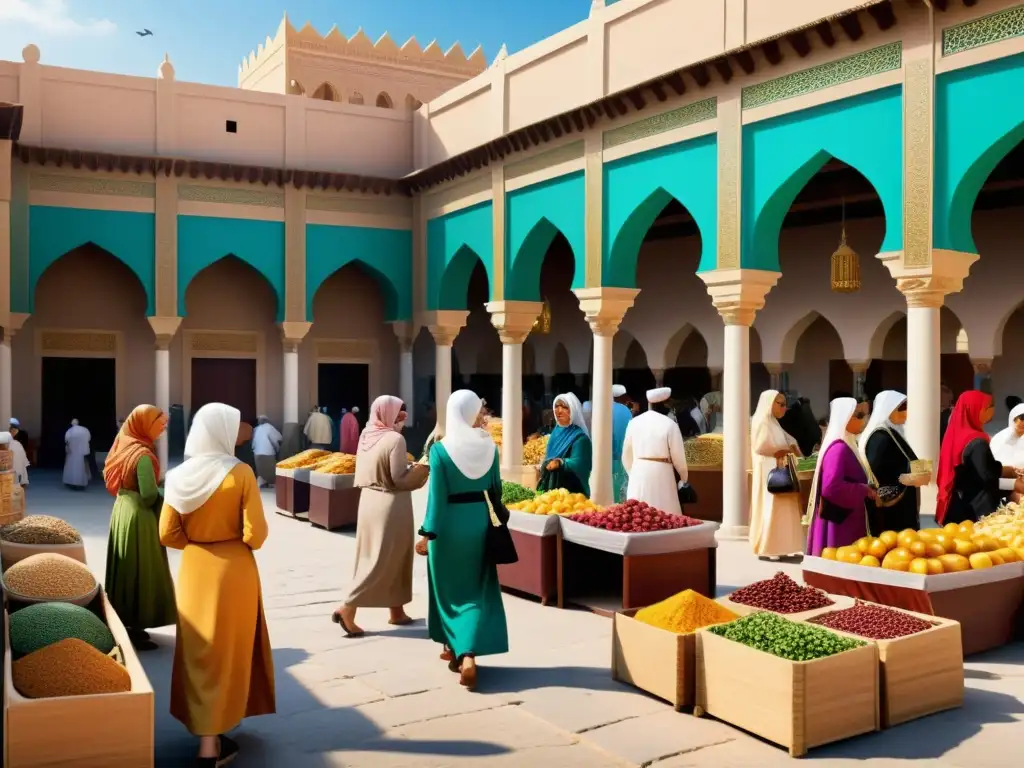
(343, 385)
(83, 388)
(224, 380)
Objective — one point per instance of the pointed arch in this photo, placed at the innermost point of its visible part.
(675, 344)
(454, 287)
(384, 101)
(326, 92)
(295, 88)
(560, 359)
(412, 103)
(217, 270)
(693, 351)
(792, 336)
(447, 236)
(635, 357)
(876, 347)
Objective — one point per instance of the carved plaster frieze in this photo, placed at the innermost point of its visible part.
(90, 185)
(346, 349)
(1001, 25)
(697, 112)
(199, 193)
(78, 341)
(212, 341)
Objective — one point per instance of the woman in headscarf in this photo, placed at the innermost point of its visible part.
(348, 429)
(1006, 445)
(568, 458)
(223, 668)
(775, 529)
(888, 455)
(138, 580)
(384, 537)
(971, 480)
(840, 486)
(465, 611)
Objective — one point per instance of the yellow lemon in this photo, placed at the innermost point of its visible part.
(870, 560)
(980, 560)
(889, 538)
(919, 565)
(828, 553)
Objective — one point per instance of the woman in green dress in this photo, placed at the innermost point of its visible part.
(464, 610)
(138, 581)
(568, 459)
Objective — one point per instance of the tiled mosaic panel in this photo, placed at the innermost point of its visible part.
(697, 112)
(882, 59)
(983, 31)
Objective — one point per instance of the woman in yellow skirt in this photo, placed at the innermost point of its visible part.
(223, 669)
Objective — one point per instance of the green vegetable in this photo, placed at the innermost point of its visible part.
(807, 464)
(781, 637)
(512, 493)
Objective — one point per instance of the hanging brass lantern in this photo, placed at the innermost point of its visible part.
(542, 324)
(845, 264)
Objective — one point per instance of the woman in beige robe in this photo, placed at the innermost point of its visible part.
(775, 519)
(385, 530)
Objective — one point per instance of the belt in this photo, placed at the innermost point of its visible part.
(659, 460)
(470, 497)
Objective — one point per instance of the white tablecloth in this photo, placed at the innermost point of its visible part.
(654, 543)
(332, 482)
(938, 583)
(299, 475)
(535, 525)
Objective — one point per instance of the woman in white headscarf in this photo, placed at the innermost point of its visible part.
(465, 611)
(840, 486)
(775, 529)
(1007, 445)
(888, 455)
(569, 455)
(223, 669)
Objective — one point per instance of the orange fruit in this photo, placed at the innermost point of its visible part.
(986, 543)
(919, 565)
(934, 566)
(981, 560)
(907, 537)
(828, 553)
(862, 544)
(996, 558)
(851, 556)
(954, 563)
(901, 553)
(891, 564)
(869, 560)
(967, 526)
(918, 548)
(945, 541)
(889, 538)
(1008, 554)
(964, 547)
(951, 528)
(934, 549)
(877, 548)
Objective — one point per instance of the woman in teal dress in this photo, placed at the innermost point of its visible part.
(138, 581)
(568, 459)
(464, 609)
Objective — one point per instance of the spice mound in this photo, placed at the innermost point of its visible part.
(780, 594)
(685, 613)
(40, 529)
(42, 624)
(49, 576)
(875, 622)
(634, 517)
(68, 668)
(786, 639)
(513, 493)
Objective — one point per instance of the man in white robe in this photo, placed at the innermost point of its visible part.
(266, 441)
(77, 450)
(319, 430)
(652, 454)
(20, 464)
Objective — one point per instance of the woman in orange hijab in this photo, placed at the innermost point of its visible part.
(138, 581)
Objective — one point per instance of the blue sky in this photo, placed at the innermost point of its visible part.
(207, 40)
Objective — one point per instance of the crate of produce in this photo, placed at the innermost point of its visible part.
(333, 500)
(797, 704)
(921, 663)
(38, 534)
(781, 594)
(654, 648)
(108, 730)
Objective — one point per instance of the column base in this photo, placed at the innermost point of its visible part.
(733, 533)
(291, 441)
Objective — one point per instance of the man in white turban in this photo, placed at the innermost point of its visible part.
(76, 452)
(653, 453)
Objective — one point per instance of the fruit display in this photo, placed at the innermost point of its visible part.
(40, 529)
(534, 451)
(494, 427)
(875, 622)
(685, 613)
(337, 464)
(69, 667)
(633, 517)
(556, 502)
(704, 451)
(1005, 525)
(42, 624)
(49, 576)
(514, 493)
(780, 594)
(929, 552)
(303, 459)
(787, 639)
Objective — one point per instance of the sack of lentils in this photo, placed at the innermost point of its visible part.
(786, 639)
(69, 667)
(49, 576)
(40, 529)
(37, 626)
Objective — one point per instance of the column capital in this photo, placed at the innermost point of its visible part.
(405, 331)
(739, 293)
(292, 334)
(775, 369)
(514, 319)
(859, 366)
(14, 324)
(444, 324)
(604, 308)
(982, 365)
(164, 329)
(929, 285)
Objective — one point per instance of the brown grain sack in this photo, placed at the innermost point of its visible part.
(40, 529)
(49, 576)
(70, 667)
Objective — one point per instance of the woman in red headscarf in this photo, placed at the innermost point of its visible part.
(971, 482)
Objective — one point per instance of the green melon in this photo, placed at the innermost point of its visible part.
(37, 626)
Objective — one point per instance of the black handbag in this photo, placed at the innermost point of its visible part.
(687, 495)
(783, 479)
(499, 548)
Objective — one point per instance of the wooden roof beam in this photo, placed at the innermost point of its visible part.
(701, 75)
(746, 61)
(724, 69)
(852, 27)
(824, 30)
(676, 83)
(883, 14)
(800, 43)
(772, 52)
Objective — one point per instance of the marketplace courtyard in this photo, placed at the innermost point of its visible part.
(386, 700)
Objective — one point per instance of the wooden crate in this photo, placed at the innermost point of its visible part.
(113, 730)
(919, 674)
(654, 660)
(796, 704)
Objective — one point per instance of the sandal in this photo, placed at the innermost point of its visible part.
(228, 753)
(467, 677)
(403, 622)
(448, 655)
(337, 618)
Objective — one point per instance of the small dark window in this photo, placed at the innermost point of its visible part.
(231, 126)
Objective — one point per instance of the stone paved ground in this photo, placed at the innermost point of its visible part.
(387, 701)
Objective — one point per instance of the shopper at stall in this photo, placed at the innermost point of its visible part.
(138, 580)
(840, 487)
(349, 430)
(19, 459)
(465, 610)
(971, 480)
(1006, 445)
(318, 430)
(653, 455)
(888, 455)
(621, 416)
(223, 668)
(569, 456)
(266, 442)
(775, 529)
(711, 408)
(384, 536)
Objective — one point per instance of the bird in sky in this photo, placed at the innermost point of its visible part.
(144, 33)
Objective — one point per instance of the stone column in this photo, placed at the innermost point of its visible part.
(737, 295)
(164, 329)
(444, 326)
(604, 309)
(11, 116)
(292, 334)
(513, 321)
(6, 381)
(659, 376)
(860, 377)
(982, 374)
(406, 378)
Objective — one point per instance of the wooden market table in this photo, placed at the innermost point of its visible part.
(333, 500)
(291, 490)
(536, 572)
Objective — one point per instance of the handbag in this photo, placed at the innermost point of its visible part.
(783, 478)
(687, 495)
(499, 548)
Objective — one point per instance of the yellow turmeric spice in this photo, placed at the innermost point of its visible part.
(684, 613)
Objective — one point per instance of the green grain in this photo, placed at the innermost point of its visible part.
(787, 639)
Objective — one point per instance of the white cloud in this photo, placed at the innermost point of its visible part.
(52, 17)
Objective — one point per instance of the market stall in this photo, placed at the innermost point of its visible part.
(333, 500)
(291, 489)
(704, 456)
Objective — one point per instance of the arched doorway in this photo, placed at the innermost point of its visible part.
(477, 347)
(688, 374)
(819, 363)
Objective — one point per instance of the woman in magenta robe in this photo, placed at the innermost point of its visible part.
(350, 432)
(840, 485)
